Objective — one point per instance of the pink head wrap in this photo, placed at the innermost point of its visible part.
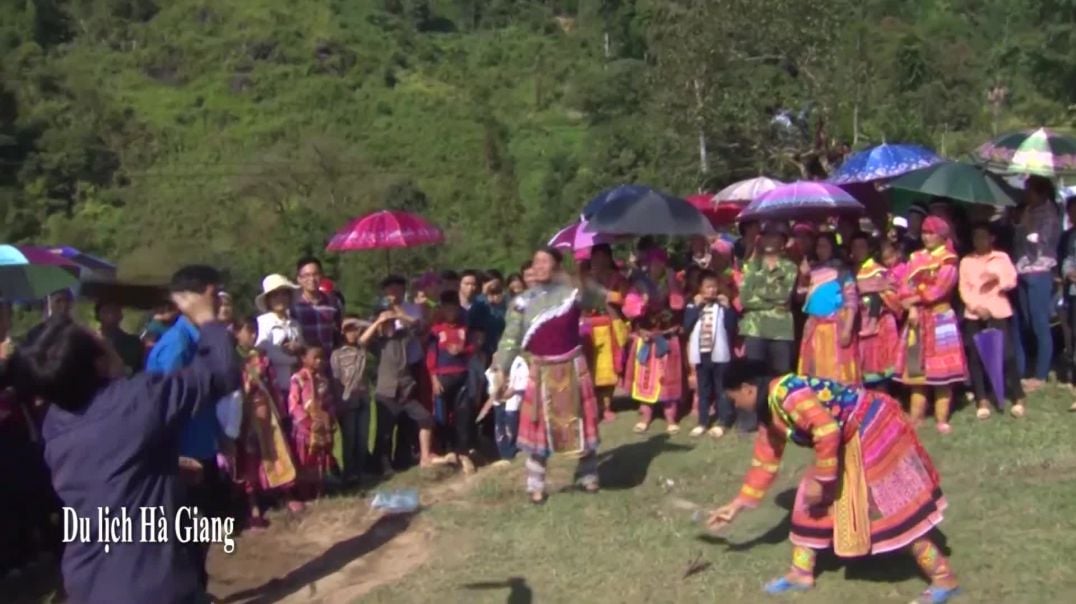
(936, 225)
(581, 254)
(722, 247)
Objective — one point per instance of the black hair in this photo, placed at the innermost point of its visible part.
(449, 275)
(983, 225)
(602, 248)
(1069, 202)
(196, 278)
(838, 251)
(494, 275)
(246, 321)
(872, 243)
(450, 297)
(98, 305)
(744, 372)
(59, 366)
(708, 275)
(552, 252)
(1041, 185)
(513, 278)
(392, 280)
(306, 260)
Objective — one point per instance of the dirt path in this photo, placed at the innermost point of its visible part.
(336, 552)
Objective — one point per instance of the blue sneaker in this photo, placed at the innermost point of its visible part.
(783, 585)
(937, 595)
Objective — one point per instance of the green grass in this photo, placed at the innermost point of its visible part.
(1011, 487)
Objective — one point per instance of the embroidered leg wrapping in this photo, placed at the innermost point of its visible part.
(942, 396)
(933, 563)
(535, 468)
(803, 559)
(669, 408)
(918, 407)
(647, 413)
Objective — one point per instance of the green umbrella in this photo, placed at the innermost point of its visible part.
(955, 180)
(1043, 152)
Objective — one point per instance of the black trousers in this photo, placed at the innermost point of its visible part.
(457, 400)
(778, 354)
(711, 384)
(979, 382)
(354, 440)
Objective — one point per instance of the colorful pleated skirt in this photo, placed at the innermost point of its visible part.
(605, 338)
(878, 351)
(932, 353)
(823, 357)
(655, 371)
(890, 491)
(559, 412)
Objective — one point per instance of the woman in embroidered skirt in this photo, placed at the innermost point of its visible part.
(879, 308)
(605, 332)
(871, 489)
(263, 461)
(931, 353)
(559, 412)
(829, 349)
(655, 369)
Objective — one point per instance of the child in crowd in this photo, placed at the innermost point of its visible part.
(879, 309)
(348, 364)
(310, 406)
(448, 358)
(506, 412)
(986, 278)
(396, 391)
(263, 460)
(710, 324)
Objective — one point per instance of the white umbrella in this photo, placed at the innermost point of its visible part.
(746, 191)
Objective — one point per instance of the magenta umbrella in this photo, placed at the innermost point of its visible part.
(385, 230)
(803, 199)
(576, 237)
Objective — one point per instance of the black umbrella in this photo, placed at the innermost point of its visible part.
(650, 214)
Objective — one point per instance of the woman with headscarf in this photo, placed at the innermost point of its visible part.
(871, 489)
(931, 352)
(829, 349)
(655, 362)
(879, 309)
(559, 411)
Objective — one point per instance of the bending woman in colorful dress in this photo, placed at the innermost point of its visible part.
(931, 351)
(829, 349)
(559, 412)
(655, 364)
(879, 307)
(604, 330)
(872, 488)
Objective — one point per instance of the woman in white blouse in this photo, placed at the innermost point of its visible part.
(279, 336)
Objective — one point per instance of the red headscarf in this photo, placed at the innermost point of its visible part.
(938, 226)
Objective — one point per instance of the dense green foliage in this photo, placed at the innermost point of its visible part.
(244, 133)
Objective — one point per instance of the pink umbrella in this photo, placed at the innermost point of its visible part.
(385, 230)
(720, 213)
(576, 237)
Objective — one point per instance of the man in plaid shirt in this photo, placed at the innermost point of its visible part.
(318, 314)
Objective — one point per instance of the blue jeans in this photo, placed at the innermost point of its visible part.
(505, 429)
(711, 383)
(1034, 315)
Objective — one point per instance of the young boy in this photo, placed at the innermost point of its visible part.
(506, 412)
(986, 277)
(448, 360)
(395, 393)
(710, 322)
(348, 364)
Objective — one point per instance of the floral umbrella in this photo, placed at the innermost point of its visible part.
(746, 191)
(385, 230)
(803, 199)
(1042, 152)
(31, 273)
(883, 161)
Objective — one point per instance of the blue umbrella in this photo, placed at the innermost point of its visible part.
(31, 273)
(616, 195)
(883, 161)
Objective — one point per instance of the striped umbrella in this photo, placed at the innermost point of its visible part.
(746, 191)
(1043, 152)
(802, 199)
(31, 273)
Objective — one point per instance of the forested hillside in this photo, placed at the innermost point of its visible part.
(243, 133)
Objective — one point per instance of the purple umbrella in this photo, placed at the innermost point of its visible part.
(576, 237)
(802, 199)
(990, 344)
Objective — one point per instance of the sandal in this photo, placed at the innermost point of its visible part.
(673, 429)
(640, 427)
(982, 413)
(1018, 410)
(539, 498)
(697, 431)
(783, 585)
(937, 595)
(716, 432)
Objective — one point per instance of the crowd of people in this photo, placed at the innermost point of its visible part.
(464, 369)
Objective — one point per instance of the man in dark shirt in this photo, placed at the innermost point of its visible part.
(128, 346)
(319, 315)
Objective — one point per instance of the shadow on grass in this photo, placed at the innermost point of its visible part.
(332, 560)
(626, 466)
(518, 590)
(773, 536)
